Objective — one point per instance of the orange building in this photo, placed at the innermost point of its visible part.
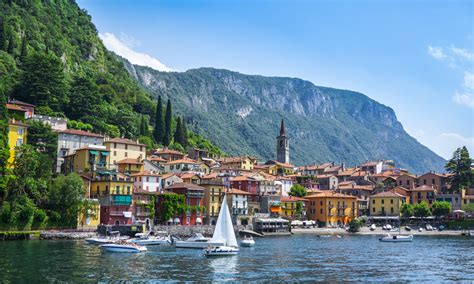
(331, 209)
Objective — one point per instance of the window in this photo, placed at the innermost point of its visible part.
(126, 154)
(433, 181)
(20, 130)
(391, 209)
(321, 210)
(400, 182)
(115, 145)
(171, 167)
(117, 189)
(391, 201)
(126, 146)
(147, 179)
(19, 142)
(424, 181)
(115, 153)
(373, 209)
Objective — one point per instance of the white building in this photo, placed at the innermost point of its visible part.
(56, 123)
(284, 185)
(147, 181)
(238, 204)
(71, 139)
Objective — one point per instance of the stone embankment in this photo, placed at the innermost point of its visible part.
(61, 235)
(367, 231)
(187, 231)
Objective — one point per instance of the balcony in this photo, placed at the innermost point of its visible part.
(122, 200)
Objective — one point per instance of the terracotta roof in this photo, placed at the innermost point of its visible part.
(408, 175)
(17, 122)
(317, 167)
(167, 151)
(370, 164)
(387, 194)
(314, 191)
(333, 169)
(433, 173)
(17, 102)
(146, 173)
(123, 141)
(292, 198)
(165, 176)
(182, 161)
(80, 132)
(347, 172)
(423, 188)
(330, 194)
(130, 161)
(156, 159)
(357, 187)
(360, 173)
(187, 175)
(285, 165)
(186, 185)
(346, 183)
(211, 176)
(227, 160)
(238, 191)
(324, 176)
(14, 107)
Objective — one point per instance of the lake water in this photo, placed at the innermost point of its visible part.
(295, 258)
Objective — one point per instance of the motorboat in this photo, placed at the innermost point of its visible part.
(124, 247)
(387, 227)
(396, 238)
(247, 241)
(197, 241)
(150, 239)
(428, 227)
(372, 227)
(112, 238)
(224, 232)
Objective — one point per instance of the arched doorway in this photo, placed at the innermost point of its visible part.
(117, 223)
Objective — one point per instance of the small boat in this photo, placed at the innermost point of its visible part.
(123, 247)
(247, 241)
(407, 228)
(396, 238)
(224, 232)
(112, 238)
(428, 227)
(197, 241)
(150, 239)
(338, 236)
(420, 230)
(373, 227)
(324, 236)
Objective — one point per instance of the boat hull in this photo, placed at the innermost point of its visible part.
(396, 239)
(196, 245)
(221, 251)
(150, 242)
(98, 241)
(247, 243)
(123, 248)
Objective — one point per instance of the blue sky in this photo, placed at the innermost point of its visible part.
(414, 56)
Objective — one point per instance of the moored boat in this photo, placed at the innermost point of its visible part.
(247, 241)
(124, 247)
(197, 241)
(100, 240)
(150, 239)
(396, 238)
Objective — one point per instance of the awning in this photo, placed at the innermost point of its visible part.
(93, 152)
(198, 220)
(176, 220)
(104, 153)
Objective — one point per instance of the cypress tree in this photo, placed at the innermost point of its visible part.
(185, 133)
(158, 132)
(24, 49)
(178, 133)
(11, 44)
(3, 36)
(4, 148)
(168, 117)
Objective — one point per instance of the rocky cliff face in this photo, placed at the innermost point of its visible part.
(240, 113)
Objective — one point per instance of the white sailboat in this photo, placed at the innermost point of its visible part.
(224, 232)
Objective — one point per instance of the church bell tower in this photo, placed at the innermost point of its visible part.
(283, 145)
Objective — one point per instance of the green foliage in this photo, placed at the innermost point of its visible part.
(298, 190)
(179, 136)
(150, 144)
(468, 207)
(299, 208)
(171, 206)
(407, 210)
(43, 139)
(4, 148)
(355, 225)
(65, 197)
(3, 36)
(151, 207)
(197, 141)
(460, 165)
(440, 208)
(168, 118)
(159, 130)
(421, 209)
(79, 125)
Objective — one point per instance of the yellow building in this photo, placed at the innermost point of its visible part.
(213, 193)
(87, 159)
(238, 163)
(386, 203)
(121, 148)
(16, 137)
(331, 209)
(130, 166)
(289, 206)
(280, 168)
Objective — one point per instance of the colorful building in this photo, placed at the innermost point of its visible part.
(16, 137)
(194, 199)
(130, 166)
(238, 205)
(386, 203)
(238, 163)
(147, 181)
(87, 159)
(332, 209)
(121, 149)
(423, 193)
(289, 206)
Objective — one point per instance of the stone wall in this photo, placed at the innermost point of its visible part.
(187, 231)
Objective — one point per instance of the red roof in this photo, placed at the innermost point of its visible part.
(80, 132)
(330, 194)
(167, 151)
(387, 194)
(185, 185)
(17, 102)
(292, 199)
(123, 141)
(238, 191)
(130, 161)
(14, 107)
(146, 173)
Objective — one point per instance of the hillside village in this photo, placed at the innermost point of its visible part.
(131, 185)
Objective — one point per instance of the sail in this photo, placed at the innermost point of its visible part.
(224, 230)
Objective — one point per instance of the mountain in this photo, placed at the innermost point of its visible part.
(241, 114)
(52, 56)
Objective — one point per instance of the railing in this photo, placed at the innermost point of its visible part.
(116, 213)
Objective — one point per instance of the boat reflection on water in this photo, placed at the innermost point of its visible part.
(224, 268)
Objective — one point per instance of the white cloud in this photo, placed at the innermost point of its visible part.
(464, 98)
(449, 142)
(123, 48)
(469, 80)
(462, 52)
(436, 52)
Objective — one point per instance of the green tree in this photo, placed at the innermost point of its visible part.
(172, 205)
(43, 139)
(24, 49)
(421, 209)
(354, 225)
(4, 147)
(144, 130)
(299, 208)
(460, 166)
(168, 118)
(150, 145)
(66, 197)
(298, 190)
(468, 207)
(84, 98)
(185, 133)
(11, 44)
(158, 132)
(43, 82)
(179, 134)
(3, 36)
(407, 210)
(440, 208)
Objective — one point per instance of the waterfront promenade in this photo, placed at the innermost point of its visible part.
(377, 231)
